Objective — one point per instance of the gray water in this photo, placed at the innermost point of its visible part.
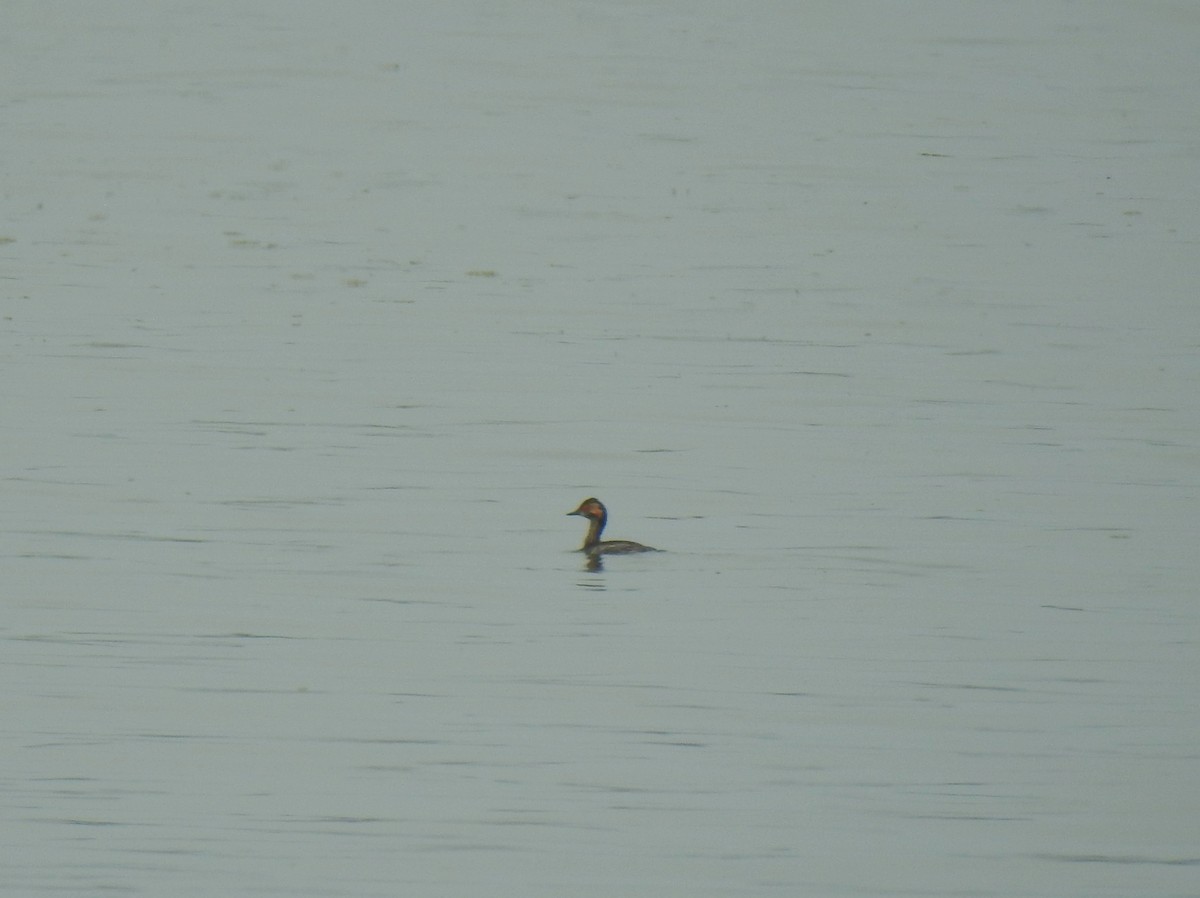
(880, 318)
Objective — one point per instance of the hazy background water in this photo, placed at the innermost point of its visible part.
(880, 318)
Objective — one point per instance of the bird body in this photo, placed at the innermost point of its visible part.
(597, 515)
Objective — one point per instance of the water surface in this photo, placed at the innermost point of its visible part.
(879, 319)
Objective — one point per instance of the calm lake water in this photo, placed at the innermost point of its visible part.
(880, 318)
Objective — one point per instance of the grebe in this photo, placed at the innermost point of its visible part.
(597, 515)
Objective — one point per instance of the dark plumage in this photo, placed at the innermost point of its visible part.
(597, 515)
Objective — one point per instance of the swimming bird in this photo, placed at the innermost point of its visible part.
(593, 509)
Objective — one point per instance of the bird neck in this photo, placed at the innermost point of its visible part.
(595, 528)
